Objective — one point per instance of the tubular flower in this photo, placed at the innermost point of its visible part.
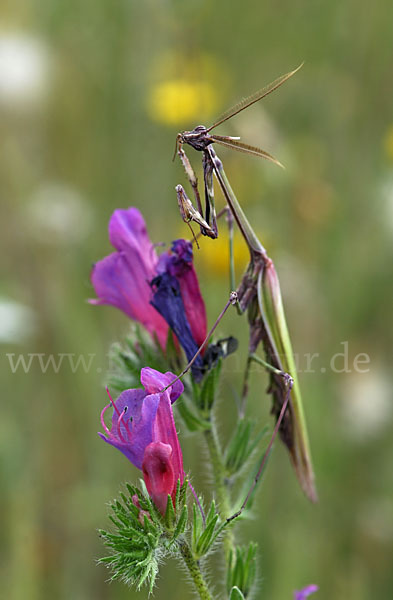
(305, 592)
(122, 279)
(169, 303)
(178, 263)
(156, 291)
(178, 299)
(143, 429)
(158, 473)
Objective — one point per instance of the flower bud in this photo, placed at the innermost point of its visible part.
(158, 473)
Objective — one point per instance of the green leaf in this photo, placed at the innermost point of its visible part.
(242, 445)
(209, 387)
(127, 359)
(204, 536)
(196, 527)
(236, 594)
(242, 569)
(192, 421)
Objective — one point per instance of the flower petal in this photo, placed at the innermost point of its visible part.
(305, 592)
(122, 278)
(153, 381)
(143, 429)
(128, 233)
(180, 265)
(133, 424)
(164, 430)
(158, 473)
(168, 302)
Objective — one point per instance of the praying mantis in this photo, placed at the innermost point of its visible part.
(259, 290)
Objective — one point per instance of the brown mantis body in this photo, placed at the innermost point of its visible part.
(200, 138)
(259, 290)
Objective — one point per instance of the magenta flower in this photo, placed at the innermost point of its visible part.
(305, 592)
(156, 291)
(143, 429)
(158, 474)
(178, 264)
(123, 278)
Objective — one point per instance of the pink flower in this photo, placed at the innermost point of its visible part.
(123, 278)
(143, 429)
(179, 264)
(158, 474)
(159, 292)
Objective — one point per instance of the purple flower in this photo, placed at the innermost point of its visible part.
(143, 429)
(178, 263)
(168, 301)
(125, 279)
(305, 592)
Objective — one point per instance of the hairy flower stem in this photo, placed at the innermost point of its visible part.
(219, 474)
(194, 570)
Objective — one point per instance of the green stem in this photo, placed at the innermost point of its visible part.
(195, 571)
(219, 474)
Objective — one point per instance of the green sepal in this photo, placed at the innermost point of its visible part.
(176, 515)
(170, 515)
(151, 507)
(236, 594)
(181, 493)
(136, 541)
(181, 524)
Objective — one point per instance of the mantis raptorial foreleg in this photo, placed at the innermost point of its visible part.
(232, 300)
(187, 210)
(192, 178)
(189, 213)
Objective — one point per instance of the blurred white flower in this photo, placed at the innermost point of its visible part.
(24, 69)
(366, 404)
(58, 213)
(17, 322)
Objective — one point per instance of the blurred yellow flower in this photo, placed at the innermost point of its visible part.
(213, 256)
(389, 143)
(181, 100)
(185, 88)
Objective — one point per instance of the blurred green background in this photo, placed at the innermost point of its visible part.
(92, 95)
